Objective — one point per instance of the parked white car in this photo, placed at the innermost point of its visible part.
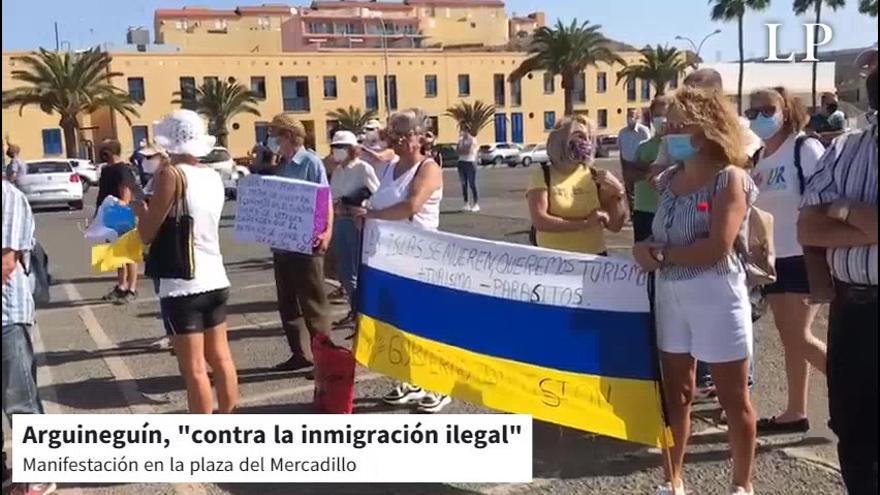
(221, 160)
(88, 172)
(499, 153)
(52, 183)
(532, 153)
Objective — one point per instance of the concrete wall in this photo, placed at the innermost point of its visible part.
(462, 26)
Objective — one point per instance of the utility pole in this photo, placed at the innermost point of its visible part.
(57, 40)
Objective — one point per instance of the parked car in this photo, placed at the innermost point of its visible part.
(532, 153)
(87, 171)
(448, 154)
(221, 161)
(499, 153)
(52, 183)
(605, 145)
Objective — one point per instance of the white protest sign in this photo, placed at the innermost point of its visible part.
(280, 213)
(507, 271)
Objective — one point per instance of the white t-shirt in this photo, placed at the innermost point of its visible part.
(350, 178)
(468, 144)
(780, 191)
(629, 140)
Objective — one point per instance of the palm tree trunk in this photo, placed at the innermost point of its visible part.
(69, 127)
(815, 39)
(742, 66)
(568, 92)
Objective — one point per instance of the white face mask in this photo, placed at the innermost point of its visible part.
(151, 165)
(339, 154)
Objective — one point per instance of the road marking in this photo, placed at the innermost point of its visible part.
(121, 373)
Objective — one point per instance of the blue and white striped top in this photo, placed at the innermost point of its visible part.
(682, 220)
(848, 170)
(18, 235)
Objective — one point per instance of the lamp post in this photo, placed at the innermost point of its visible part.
(698, 48)
(384, 36)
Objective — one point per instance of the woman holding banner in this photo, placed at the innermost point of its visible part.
(702, 302)
(410, 190)
(193, 302)
(570, 202)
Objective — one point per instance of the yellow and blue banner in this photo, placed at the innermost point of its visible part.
(127, 249)
(561, 336)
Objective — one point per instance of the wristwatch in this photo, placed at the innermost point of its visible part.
(839, 211)
(659, 255)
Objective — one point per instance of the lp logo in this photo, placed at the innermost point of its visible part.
(812, 42)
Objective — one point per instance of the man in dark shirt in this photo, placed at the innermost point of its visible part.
(117, 179)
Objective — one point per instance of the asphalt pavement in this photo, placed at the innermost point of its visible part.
(98, 358)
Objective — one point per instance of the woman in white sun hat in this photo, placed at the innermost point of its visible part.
(193, 308)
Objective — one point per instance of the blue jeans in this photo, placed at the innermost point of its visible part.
(346, 248)
(467, 173)
(19, 373)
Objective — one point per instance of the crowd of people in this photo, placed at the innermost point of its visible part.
(694, 174)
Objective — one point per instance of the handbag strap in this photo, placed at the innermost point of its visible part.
(180, 206)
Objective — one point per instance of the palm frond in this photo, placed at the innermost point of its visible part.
(660, 65)
(352, 118)
(472, 117)
(868, 7)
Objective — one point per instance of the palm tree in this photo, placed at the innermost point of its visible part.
(68, 85)
(352, 118)
(567, 51)
(472, 117)
(219, 101)
(868, 7)
(660, 66)
(801, 7)
(728, 10)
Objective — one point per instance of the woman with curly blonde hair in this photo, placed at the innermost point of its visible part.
(571, 203)
(702, 301)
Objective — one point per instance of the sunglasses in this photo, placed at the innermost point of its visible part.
(767, 111)
(398, 136)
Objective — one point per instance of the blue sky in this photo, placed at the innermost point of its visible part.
(28, 24)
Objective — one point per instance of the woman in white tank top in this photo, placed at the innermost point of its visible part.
(410, 190)
(194, 310)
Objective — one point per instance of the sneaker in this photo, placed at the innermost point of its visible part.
(115, 294)
(295, 363)
(668, 489)
(433, 402)
(738, 490)
(404, 393)
(467, 208)
(475, 208)
(160, 343)
(40, 489)
(127, 297)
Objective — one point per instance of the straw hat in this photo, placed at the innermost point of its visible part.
(286, 122)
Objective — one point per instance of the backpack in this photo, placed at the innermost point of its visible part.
(533, 232)
(38, 275)
(798, 144)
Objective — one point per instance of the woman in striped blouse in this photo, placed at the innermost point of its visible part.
(702, 303)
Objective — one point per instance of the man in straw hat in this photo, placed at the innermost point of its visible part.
(299, 278)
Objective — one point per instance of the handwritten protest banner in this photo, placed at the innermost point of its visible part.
(281, 213)
(561, 336)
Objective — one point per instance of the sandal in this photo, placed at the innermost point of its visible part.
(772, 426)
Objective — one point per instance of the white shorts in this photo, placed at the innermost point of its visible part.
(708, 317)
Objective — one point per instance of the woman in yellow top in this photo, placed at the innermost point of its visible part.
(581, 202)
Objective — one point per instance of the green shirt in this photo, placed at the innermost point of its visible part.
(645, 195)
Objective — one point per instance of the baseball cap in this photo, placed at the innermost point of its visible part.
(344, 138)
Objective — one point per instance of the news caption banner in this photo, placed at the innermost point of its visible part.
(560, 336)
(178, 448)
(280, 213)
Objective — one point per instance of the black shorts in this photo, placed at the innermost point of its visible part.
(791, 277)
(194, 314)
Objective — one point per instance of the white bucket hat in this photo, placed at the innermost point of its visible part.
(373, 124)
(183, 132)
(344, 138)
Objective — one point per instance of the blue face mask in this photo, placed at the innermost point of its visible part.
(680, 147)
(766, 127)
(272, 144)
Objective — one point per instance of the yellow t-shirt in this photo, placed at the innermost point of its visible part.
(572, 197)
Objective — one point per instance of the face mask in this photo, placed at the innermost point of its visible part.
(766, 127)
(151, 165)
(273, 145)
(371, 136)
(658, 123)
(680, 147)
(580, 150)
(340, 154)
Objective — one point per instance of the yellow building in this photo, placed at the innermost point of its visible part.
(249, 45)
(312, 84)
